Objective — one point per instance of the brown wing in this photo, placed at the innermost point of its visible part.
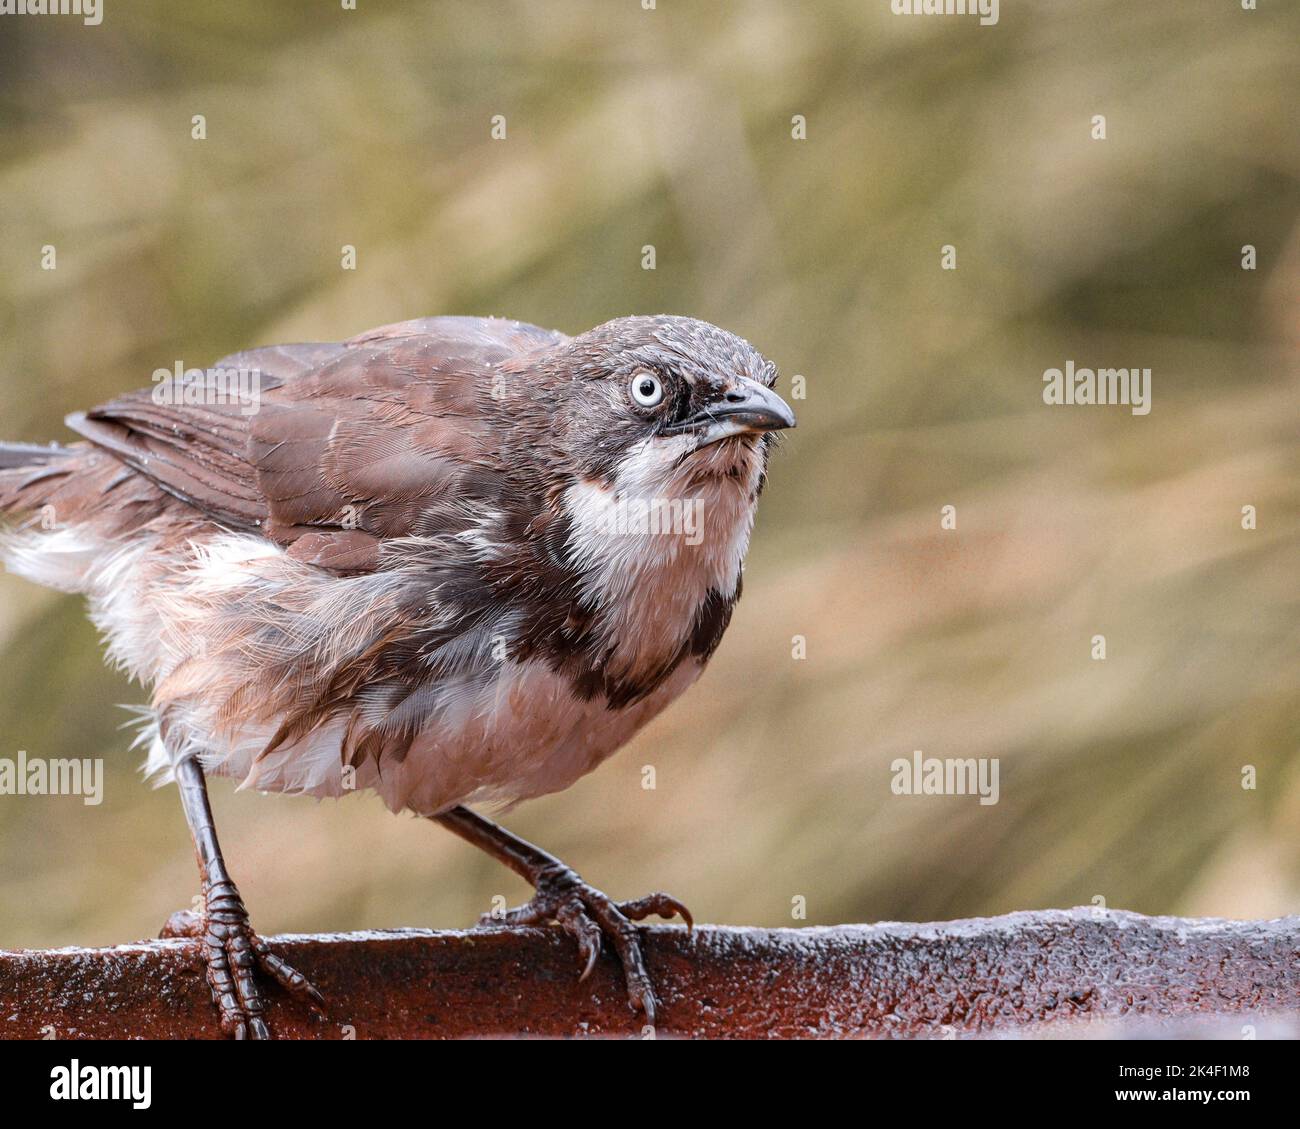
(348, 444)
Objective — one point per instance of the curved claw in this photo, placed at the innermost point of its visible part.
(574, 920)
(659, 905)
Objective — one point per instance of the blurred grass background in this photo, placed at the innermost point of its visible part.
(1119, 779)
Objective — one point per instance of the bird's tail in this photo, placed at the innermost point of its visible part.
(39, 537)
(23, 466)
(15, 455)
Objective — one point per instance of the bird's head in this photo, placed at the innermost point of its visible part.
(647, 403)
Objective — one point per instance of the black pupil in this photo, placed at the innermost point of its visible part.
(647, 387)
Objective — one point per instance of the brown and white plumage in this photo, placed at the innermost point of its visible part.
(398, 572)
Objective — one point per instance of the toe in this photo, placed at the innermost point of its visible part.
(222, 986)
(640, 992)
(183, 923)
(626, 939)
(243, 966)
(288, 977)
(535, 912)
(657, 905)
(582, 929)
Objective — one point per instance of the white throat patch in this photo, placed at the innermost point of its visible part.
(673, 526)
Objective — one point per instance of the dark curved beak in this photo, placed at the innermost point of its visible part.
(746, 406)
(755, 406)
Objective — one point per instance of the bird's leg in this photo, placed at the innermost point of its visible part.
(561, 896)
(232, 953)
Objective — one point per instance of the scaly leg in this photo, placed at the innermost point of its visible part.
(232, 952)
(583, 911)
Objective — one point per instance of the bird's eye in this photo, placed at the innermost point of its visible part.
(647, 389)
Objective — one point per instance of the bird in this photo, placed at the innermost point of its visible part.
(452, 561)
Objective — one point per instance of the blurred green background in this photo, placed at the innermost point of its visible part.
(625, 127)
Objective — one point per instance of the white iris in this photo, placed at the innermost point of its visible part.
(647, 389)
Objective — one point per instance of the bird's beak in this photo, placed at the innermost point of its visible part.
(747, 406)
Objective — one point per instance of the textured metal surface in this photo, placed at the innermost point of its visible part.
(1024, 974)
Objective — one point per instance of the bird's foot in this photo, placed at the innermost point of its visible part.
(587, 915)
(232, 957)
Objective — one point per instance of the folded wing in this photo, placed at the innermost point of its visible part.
(340, 447)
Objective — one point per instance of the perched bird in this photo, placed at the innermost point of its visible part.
(453, 560)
